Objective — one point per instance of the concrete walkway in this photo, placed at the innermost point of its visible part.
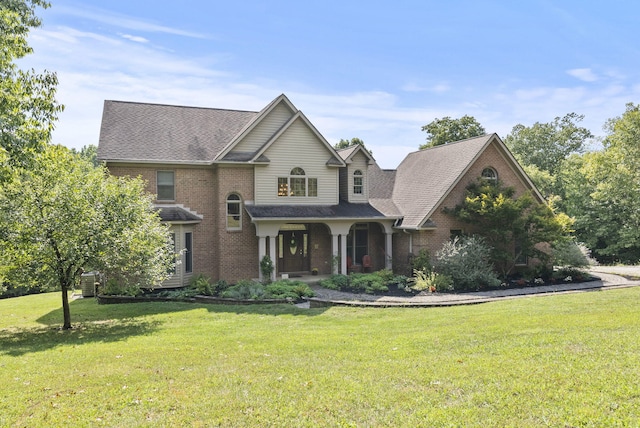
(325, 297)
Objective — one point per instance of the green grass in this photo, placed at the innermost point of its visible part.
(566, 360)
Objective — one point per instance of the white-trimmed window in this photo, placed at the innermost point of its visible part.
(165, 185)
(297, 184)
(490, 174)
(234, 212)
(358, 182)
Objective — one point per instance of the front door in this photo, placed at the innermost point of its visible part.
(293, 251)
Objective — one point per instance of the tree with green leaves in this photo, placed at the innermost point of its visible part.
(547, 145)
(448, 130)
(514, 227)
(603, 192)
(89, 152)
(28, 108)
(63, 216)
(344, 144)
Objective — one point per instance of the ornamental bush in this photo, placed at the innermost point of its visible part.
(466, 260)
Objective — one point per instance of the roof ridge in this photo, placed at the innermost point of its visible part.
(179, 106)
(452, 143)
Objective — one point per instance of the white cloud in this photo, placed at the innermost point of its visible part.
(92, 67)
(122, 21)
(584, 74)
(136, 39)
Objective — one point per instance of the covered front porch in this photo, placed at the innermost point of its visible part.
(323, 239)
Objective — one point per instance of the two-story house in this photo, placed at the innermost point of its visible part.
(238, 185)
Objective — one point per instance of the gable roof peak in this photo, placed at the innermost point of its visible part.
(485, 137)
(348, 153)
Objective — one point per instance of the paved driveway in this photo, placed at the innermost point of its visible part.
(619, 270)
(326, 297)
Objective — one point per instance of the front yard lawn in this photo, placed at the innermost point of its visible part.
(566, 360)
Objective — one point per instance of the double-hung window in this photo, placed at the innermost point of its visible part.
(165, 184)
(297, 184)
(358, 183)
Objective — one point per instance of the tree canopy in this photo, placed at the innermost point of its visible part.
(343, 144)
(63, 216)
(448, 130)
(28, 108)
(547, 145)
(603, 192)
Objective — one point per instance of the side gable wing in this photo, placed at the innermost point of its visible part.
(433, 174)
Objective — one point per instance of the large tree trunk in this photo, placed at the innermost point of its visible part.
(65, 308)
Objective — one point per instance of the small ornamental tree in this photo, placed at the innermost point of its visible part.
(507, 223)
(64, 216)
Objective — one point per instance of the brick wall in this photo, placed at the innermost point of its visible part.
(432, 240)
(237, 251)
(217, 253)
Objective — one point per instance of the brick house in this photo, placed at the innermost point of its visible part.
(235, 186)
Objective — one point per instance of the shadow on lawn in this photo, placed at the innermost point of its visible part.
(94, 323)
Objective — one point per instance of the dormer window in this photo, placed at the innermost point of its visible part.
(297, 184)
(357, 182)
(490, 174)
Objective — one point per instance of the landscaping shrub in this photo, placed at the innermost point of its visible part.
(570, 254)
(245, 290)
(219, 287)
(286, 289)
(178, 293)
(369, 283)
(431, 281)
(466, 261)
(401, 282)
(115, 288)
(569, 274)
(422, 261)
(336, 282)
(8, 290)
(202, 284)
(386, 275)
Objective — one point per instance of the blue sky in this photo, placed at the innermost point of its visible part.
(376, 70)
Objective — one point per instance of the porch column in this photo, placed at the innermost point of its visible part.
(334, 253)
(388, 251)
(262, 251)
(273, 255)
(343, 254)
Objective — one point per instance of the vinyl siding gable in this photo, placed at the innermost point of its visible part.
(264, 130)
(298, 147)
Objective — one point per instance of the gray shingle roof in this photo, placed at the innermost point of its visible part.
(176, 214)
(163, 133)
(425, 177)
(343, 210)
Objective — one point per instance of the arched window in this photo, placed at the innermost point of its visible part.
(297, 184)
(234, 212)
(357, 182)
(489, 174)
